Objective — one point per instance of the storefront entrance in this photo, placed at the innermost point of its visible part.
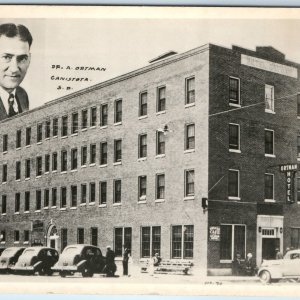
(269, 246)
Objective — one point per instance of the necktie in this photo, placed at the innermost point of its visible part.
(11, 100)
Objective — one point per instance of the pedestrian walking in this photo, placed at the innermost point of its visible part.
(125, 261)
(110, 267)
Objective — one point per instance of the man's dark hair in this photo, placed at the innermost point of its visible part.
(12, 30)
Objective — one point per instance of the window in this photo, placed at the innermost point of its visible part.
(39, 134)
(3, 234)
(117, 151)
(47, 129)
(233, 184)
(122, 240)
(83, 155)
(118, 111)
(103, 115)
(269, 142)
(234, 137)
(142, 145)
(55, 127)
(54, 161)
(64, 126)
(269, 98)
(64, 161)
(28, 136)
(93, 119)
(83, 193)
(151, 241)
(74, 128)
(269, 186)
(38, 200)
(298, 146)
(93, 154)
(190, 90)
(234, 91)
(18, 170)
(17, 236)
(117, 191)
(232, 241)
(160, 143)
(27, 201)
(3, 204)
(64, 238)
(142, 188)
(84, 119)
(143, 104)
(63, 197)
(19, 139)
(103, 153)
(27, 168)
(103, 192)
(4, 173)
(17, 202)
(74, 159)
(80, 235)
(46, 198)
(160, 186)
(94, 236)
(190, 137)
(183, 241)
(39, 166)
(295, 238)
(189, 179)
(5, 142)
(298, 105)
(73, 195)
(47, 163)
(54, 197)
(161, 99)
(26, 236)
(92, 192)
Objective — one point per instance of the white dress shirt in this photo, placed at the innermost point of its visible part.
(4, 95)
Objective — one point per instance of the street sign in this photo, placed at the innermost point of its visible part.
(214, 233)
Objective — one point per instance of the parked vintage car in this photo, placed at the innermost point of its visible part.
(36, 259)
(9, 257)
(86, 259)
(274, 270)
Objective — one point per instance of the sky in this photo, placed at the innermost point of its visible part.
(120, 45)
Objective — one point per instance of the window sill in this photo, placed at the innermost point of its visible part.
(270, 111)
(46, 173)
(189, 105)
(234, 198)
(103, 166)
(91, 203)
(4, 152)
(234, 150)
(37, 211)
(234, 105)
(84, 129)
(270, 200)
(160, 112)
(142, 202)
(2, 243)
(74, 134)
(73, 207)
(25, 243)
(63, 209)
(74, 170)
(117, 163)
(118, 124)
(55, 137)
(18, 180)
(117, 204)
(47, 138)
(160, 155)
(39, 176)
(64, 137)
(39, 143)
(17, 242)
(27, 146)
(270, 155)
(225, 261)
(82, 204)
(103, 127)
(83, 166)
(46, 207)
(17, 213)
(5, 182)
(187, 198)
(4, 214)
(142, 117)
(142, 159)
(54, 171)
(18, 149)
(102, 205)
(298, 158)
(26, 212)
(93, 127)
(159, 200)
(92, 164)
(53, 206)
(189, 150)
(63, 172)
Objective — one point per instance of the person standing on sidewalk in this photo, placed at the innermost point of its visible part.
(278, 254)
(125, 261)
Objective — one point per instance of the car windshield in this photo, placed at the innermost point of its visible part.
(72, 251)
(9, 252)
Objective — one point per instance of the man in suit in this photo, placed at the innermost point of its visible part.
(15, 42)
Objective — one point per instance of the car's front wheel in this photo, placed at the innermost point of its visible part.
(265, 277)
(87, 273)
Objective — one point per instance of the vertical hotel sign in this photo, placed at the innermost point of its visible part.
(290, 171)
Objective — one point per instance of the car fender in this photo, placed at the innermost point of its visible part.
(37, 264)
(275, 272)
(81, 264)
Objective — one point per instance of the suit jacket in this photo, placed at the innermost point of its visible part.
(22, 101)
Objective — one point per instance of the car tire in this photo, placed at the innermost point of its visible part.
(87, 273)
(265, 277)
(62, 274)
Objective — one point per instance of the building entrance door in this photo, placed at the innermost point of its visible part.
(52, 237)
(269, 246)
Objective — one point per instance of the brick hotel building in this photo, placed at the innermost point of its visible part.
(131, 162)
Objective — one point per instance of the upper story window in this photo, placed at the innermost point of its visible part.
(103, 192)
(160, 143)
(189, 136)
(54, 196)
(39, 166)
(19, 138)
(234, 91)
(142, 145)
(18, 170)
(54, 161)
(80, 235)
(39, 134)
(298, 146)
(64, 126)
(28, 136)
(74, 154)
(92, 153)
(103, 115)
(269, 142)
(142, 188)
(47, 163)
(161, 98)
(5, 142)
(234, 137)
(27, 168)
(269, 98)
(4, 173)
(74, 128)
(189, 181)
(55, 127)
(47, 129)
(63, 197)
(118, 111)
(4, 203)
(118, 151)
(234, 184)
(298, 105)
(84, 119)
(27, 201)
(92, 192)
(46, 198)
(160, 186)
(190, 90)
(103, 153)
(73, 195)
(269, 186)
(117, 191)
(83, 193)
(83, 155)
(64, 160)
(93, 119)
(38, 200)
(17, 202)
(143, 104)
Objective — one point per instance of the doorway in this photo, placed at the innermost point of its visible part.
(269, 246)
(52, 237)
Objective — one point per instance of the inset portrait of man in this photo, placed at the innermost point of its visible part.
(15, 43)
